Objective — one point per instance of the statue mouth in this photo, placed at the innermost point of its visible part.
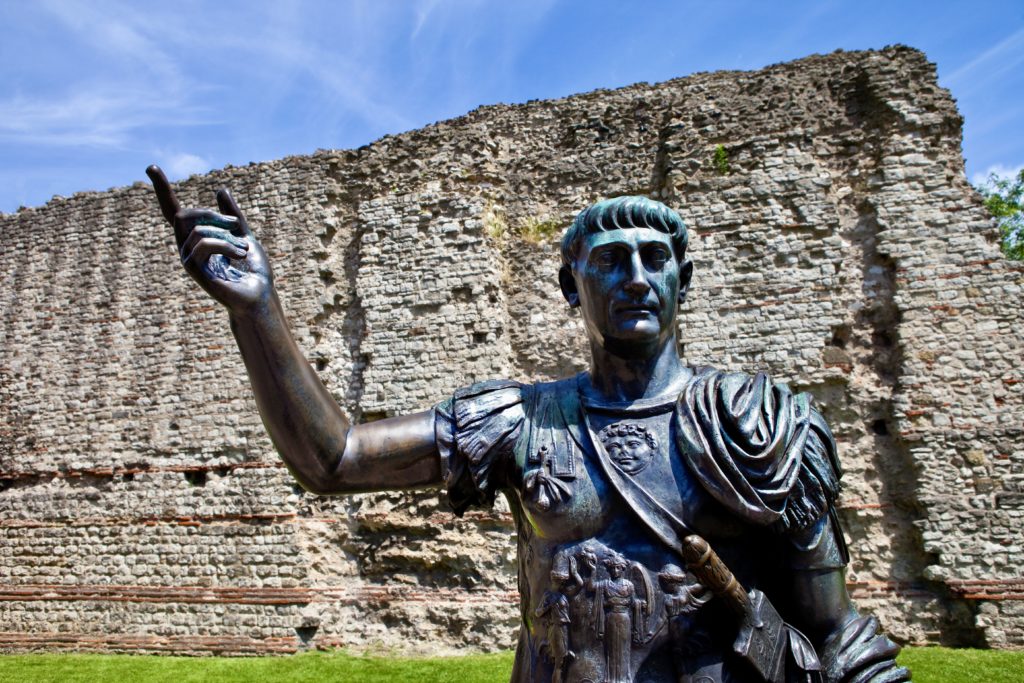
(637, 309)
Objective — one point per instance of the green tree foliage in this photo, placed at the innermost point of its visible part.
(1004, 198)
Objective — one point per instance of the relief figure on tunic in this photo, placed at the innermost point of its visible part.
(555, 612)
(616, 616)
(629, 445)
(684, 596)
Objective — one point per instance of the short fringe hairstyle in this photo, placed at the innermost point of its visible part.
(623, 213)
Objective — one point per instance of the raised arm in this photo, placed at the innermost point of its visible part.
(311, 433)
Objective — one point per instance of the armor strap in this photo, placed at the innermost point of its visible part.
(662, 522)
(672, 531)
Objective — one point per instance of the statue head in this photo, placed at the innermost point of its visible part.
(630, 445)
(616, 565)
(671, 577)
(624, 213)
(624, 265)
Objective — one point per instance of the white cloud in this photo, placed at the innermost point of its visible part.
(998, 170)
(423, 11)
(183, 165)
(125, 80)
(1005, 55)
(121, 30)
(349, 82)
(103, 115)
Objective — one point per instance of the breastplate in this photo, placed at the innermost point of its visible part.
(633, 613)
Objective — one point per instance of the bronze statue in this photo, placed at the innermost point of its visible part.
(638, 465)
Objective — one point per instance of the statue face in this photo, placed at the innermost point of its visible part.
(631, 452)
(628, 285)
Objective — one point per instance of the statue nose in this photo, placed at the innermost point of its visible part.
(637, 284)
(636, 287)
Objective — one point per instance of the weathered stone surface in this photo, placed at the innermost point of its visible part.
(843, 251)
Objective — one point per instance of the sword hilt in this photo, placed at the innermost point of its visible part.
(709, 569)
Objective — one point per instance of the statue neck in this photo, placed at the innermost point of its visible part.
(624, 373)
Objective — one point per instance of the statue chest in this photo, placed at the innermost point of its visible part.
(603, 599)
(627, 609)
(562, 494)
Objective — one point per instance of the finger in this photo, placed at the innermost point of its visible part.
(187, 220)
(207, 247)
(190, 218)
(227, 205)
(169, 205)
(202, 231)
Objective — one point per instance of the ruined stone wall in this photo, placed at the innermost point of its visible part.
(142, 507)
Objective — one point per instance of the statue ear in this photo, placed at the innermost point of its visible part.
(685, 275)
(568, 284)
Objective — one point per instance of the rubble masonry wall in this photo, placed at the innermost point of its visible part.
(142, 507)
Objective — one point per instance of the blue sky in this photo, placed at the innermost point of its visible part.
(93, 92)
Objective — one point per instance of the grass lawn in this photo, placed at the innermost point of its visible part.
(930, 665)
(937, 664)
(314, 667)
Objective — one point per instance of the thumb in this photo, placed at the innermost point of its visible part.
(227, 205)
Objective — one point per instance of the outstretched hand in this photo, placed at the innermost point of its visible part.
(218, 250)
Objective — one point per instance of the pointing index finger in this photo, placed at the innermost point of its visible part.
(164, 194)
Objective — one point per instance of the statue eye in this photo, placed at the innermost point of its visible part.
(656, 257)
(606, 259)
(634, 443)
